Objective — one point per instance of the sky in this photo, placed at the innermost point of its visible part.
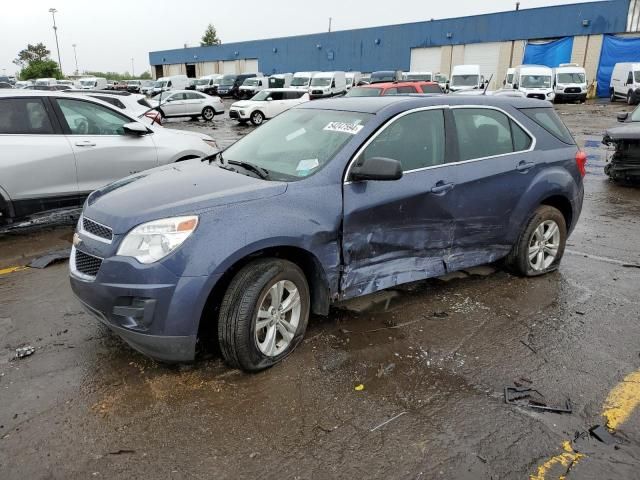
(108, 35)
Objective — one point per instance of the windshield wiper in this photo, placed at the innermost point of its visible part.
(213, 157)
(263, 173)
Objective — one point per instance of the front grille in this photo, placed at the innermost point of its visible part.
(539, 96)
(572, 90)
(94, 228)
(87, 264)
(233, 114)
(316, 92)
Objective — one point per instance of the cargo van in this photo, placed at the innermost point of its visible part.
(174, 82)
(252, 85)
(418, 76)
(93, 83)
(208, 83)
(386, 76)
(353, 79)
(508, 78)
(45, 82)
(328, 84)
(280, 80)
(569, 83)
(535, 81)
(302, 80)
(625, 83)
(466, 77)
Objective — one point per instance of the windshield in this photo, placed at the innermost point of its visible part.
(571, 78)
(419, 76)
(251, 82)
(159, 84)
(464, 80)
(320, 82)
(535, 81)
(300, 81)
(364, 92)
(510, 78)
(87, 83)
(297, 143)
(383, 77)
(228, 80)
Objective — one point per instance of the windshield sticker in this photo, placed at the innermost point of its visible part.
(351, 128)
(305, 166)
(296, 134)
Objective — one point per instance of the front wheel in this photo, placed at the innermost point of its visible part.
(208, 113)
(541, 244)
(612, 97)
(263, 315)
(257, 118)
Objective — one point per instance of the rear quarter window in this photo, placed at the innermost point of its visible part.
(548, 119)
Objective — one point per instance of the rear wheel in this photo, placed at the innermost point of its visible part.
(612, 97)
(257, 118)
(263, 315)
(541, 244)
(208, 113)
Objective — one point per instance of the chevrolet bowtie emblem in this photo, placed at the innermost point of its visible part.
(76, 240)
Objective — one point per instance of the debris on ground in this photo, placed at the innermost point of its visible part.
(385, 370)
(531, 398)
(388, 421)
(25, 351)
(601, 434)
(121, 451)
(49, 258)
(359, 387)
(440, 314)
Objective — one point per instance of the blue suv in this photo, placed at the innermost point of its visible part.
(331, 200)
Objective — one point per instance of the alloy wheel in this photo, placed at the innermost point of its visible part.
(278, 318)
(544, 245)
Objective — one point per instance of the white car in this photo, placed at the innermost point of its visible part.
(267, 104)
(77, 144)
(187, 103)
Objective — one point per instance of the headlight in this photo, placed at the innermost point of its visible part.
(153, 241)
(241, 112)
(212, 143)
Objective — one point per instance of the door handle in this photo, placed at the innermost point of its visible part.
(524, 167)
(441, 188)
(85, 143)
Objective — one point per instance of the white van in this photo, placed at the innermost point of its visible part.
(45, 82)
(175, 82)
(93, 83)
(466, 77)
(535, 81)
(302, 80)
(206, 83)
(353, 79)
(328, 84)
(570, 83)
(418, 76)
(625, 82)
(508, 78)
(252, 85)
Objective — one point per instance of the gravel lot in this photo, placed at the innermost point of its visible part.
(434, 358)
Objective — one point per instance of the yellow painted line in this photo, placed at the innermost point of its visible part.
(567, 459)
(622, 400)
(617, 408)
(8, 270)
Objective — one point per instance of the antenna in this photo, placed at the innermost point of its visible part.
(487, 85)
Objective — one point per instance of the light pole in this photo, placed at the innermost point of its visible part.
(75, 56)
(133, 70)
(55, 31)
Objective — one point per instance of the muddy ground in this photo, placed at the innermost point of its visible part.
(433, 357)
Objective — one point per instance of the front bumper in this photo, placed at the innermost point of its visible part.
(560, 96)
(237, 114)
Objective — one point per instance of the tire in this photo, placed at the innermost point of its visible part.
(518, 260)
(630, 100)
(242, 344)
(257, 118)
(612, 97)
(208, 113)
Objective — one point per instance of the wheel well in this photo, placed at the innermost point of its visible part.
(187, 157)
(562, 204)
(308, 263)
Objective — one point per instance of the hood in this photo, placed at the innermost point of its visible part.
(188, 187)
(630, 131)
(159, 128)
(244, 104)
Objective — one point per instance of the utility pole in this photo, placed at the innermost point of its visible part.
(330, 24)
(75, 56)
(55, 31)
(133, 72)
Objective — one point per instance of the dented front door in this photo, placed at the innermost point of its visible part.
(400, 231)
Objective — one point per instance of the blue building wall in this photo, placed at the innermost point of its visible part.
(389, 47)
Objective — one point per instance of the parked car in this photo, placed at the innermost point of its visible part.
(111, 85)
(165, 84)
(146, 87)
(94, 83)
(418, 76)
(569, 83)
(353, 79)
(229, 85)
(188, 103)
(328, 84)
(624, 165)
(625, 83)
(208, 84)
(305, 211)
(302, 80)
(134, 104)
(535, 81)
(78, 144)
(383, 76)
(267, 104)
(133, 86)
(5, 85)
(394, 88)
(466, 77)
(629, 117)
(252, 85)
(24, 84)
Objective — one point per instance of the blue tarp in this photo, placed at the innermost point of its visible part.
(550, 54)
(615, 50)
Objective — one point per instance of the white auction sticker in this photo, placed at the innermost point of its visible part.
(307, 165)
(342, 127)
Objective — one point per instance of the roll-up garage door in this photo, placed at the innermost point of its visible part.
(486, 55)
(249, 65)
(426, 59)
(229, 67)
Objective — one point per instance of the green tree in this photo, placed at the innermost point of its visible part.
(33, 53)
(210, 37)
(40, 69)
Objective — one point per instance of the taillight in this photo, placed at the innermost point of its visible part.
(581, 162)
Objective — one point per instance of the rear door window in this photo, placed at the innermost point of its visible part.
(24, 116)
(549, 120)
(391, 91)
(431, 89)
(406, 89)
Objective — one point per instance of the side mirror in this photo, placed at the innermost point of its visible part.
(622, 117)
(135, 128)
(376, 168)
(515, 86)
